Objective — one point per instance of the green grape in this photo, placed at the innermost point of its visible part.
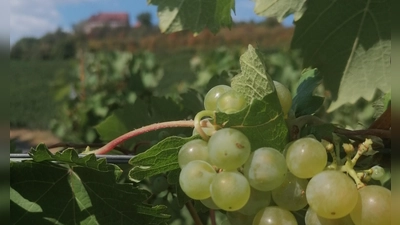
(237, 218)
(312, 218)
(291, 194)
(195, 179)
(193, 150)
(273, 215)
(331, 194)
(265, 169)
(209, 203)
(258, 200)
(285, 97)
(306, 157)
(231, 102)
(159, 184)
(377, 173)
(230, 190)
(228, 148)
(373, 206)
(210, 100)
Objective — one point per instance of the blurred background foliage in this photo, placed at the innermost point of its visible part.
(67, 83)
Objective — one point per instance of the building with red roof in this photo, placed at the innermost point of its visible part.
(112, 20)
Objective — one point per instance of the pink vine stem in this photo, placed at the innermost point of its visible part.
(157, 126)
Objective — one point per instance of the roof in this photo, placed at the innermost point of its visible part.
(104, 17)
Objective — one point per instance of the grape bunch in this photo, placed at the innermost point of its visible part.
(264, 186)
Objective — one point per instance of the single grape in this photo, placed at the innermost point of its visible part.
(237, 218)
(377, 173)
(312, 218)
(231, 102)
(306, 157)
(209, 203)
(273, 215)
(285, 97)
(291, 194)
(159, 184)
(230, 191)
(210, 100)
(228, 148)
(258, 200)
(193, 150)
(195, 179)
(265, 169)
(373, 206)
(331, 194)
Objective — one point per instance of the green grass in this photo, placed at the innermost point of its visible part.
(31, 97)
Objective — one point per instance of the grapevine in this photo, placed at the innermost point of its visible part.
(254, 151)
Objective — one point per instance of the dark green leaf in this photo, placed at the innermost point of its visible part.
(323, 131)
(349, 43)
(177, 15)
(262, 121)
(305, 103)
(160, 158)
(70, 156)
(49, 193)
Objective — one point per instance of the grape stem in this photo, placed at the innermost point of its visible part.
(348, 167)
(193, 213)
(212, 217)
(157, 126)
(297, 124)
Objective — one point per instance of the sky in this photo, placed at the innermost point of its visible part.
(34, 18)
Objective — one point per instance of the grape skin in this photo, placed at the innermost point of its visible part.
(312, 218)
(274, 215)
(306, 157)
(230, 191)
(258, 200)
(284, 96)
(210, 100)
(209, 203)
(265, 169)
(231, 102)
(377, 173)
(195, 179)
(193, 150)
(331, 194)
(228, 148)
(373, 206)
(291, 194)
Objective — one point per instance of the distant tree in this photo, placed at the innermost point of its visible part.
(271, 22)
(144, 19)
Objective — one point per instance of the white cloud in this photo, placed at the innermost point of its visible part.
(34, 18)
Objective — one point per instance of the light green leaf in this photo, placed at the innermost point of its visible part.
(160, 158)
(280, 8)
(194, 15)
(349, 43)
(368, 70)
(262, 121)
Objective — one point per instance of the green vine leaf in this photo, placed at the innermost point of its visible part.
(160, 158)
(262, 121)
(305, 102)
(178, 15)
(69, 156)
(52, 193)
(280, 8)
(349, 43)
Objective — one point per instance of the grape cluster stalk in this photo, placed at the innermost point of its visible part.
(266, 186)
